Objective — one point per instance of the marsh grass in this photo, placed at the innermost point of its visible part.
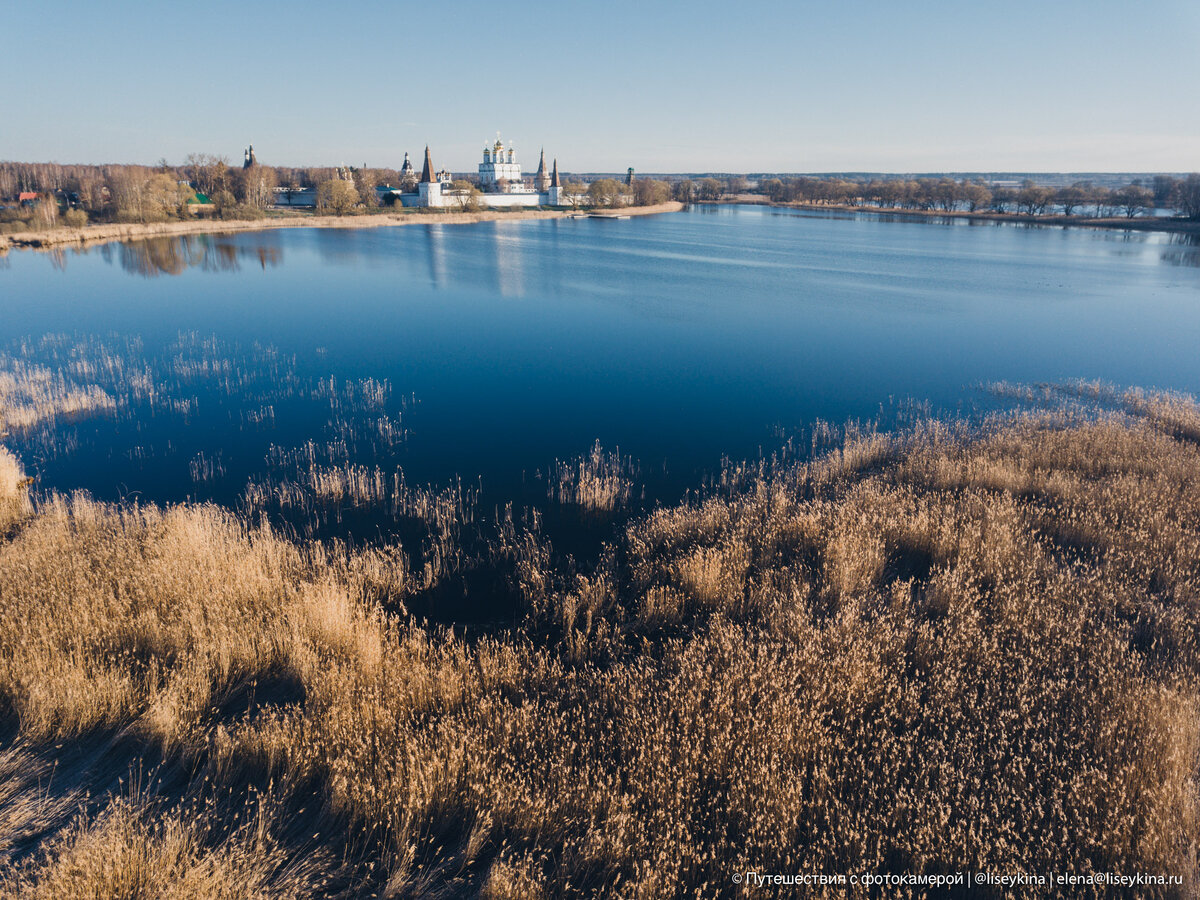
(14, 498)
(946, 648)
(63, 377)
(33, 394)
(205, 469)
(598, 481)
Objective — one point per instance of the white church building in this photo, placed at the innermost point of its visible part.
(500, 182)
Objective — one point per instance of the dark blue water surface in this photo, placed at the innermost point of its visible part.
(678, 337)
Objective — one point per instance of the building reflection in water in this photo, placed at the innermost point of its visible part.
(510, 262)
(436, 236)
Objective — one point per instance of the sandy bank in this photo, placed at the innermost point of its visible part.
(90, 235)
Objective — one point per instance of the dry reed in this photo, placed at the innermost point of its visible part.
(599, 481)
(939, 650)
(14, 500)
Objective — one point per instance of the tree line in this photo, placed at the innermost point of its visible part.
(1029, 198)
(134, 193)
(952, 195)
(77, 194)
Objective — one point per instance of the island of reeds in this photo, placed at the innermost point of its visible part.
(949, 647)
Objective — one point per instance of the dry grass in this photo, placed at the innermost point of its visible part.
(599, 481)
(925, 652)
(138, 848)
(14, 500)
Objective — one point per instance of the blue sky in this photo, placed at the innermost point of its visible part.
(701, 86)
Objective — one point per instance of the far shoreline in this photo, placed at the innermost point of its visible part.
(1168, 225)
(92, 235)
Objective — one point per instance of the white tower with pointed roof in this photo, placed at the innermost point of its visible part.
(430, 188)
(541, 181)
(558, 196)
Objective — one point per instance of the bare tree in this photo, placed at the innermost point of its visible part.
(207, 172)
(1033, 199)
(45, 214)
(256, 186)
(976, 196)
(575, 192)
(337, 196)
(684, 191)
(1164, 190)
(605, 192)
(1186, 197)
(89, 188)
(710, 189)
(467, 195)
(1070, 199)
(1104, 200)
(365, 182)
(648, 192)
(944, 194)
(1003, 198)
(1134, 199)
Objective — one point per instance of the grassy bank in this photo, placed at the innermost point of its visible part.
(100, 234)
(940, 650)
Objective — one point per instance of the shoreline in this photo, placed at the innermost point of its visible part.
(1121, 223)
(92, 235)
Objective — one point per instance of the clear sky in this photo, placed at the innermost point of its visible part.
(736, 86)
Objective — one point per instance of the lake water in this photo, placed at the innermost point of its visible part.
(489, 351)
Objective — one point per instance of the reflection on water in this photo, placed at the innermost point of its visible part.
(174, 255)
(435, 238)
(677, 338)
(502, 267)
(932, 218)
(510, 269)
(1182, 250)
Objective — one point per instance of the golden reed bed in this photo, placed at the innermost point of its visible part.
(948, 649)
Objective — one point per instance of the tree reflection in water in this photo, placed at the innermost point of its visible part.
(173, 255)
(1183, 249)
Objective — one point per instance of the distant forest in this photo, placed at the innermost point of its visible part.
(44, 195)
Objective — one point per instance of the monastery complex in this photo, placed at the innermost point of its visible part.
(500, 182)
